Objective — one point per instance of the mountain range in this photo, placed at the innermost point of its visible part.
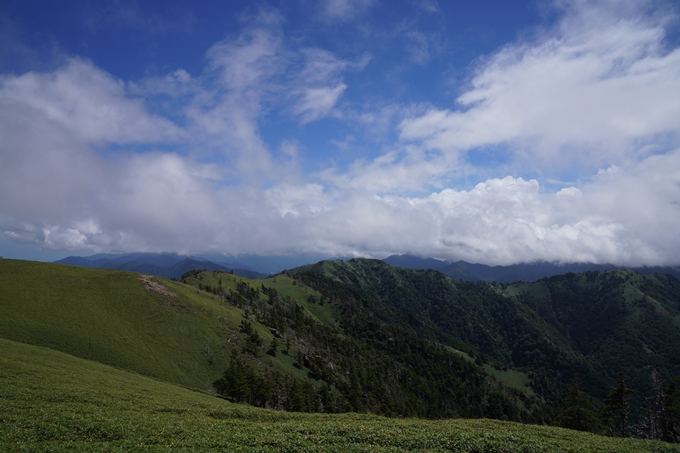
(165, 265)
(525, 272)
(169, 265)
(361, 335)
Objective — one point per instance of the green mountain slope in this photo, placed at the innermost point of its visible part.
(594, 324)
(333, 355)
(618, 320)
(51, 401)
(353, 358)
(153, 326)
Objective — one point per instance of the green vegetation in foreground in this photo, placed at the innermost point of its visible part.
(51, 401)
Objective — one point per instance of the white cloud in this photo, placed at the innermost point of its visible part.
(90, 103)
(46, 171)
(248, 61)
(54, 190)
(569, 192)
(290, 149)
(344, 9)
(396, 171)
(224, 112)
(431, 6)
(177, 83)
(319, 85)
(588, 94)
(625, 218)
(297, 200)
(321, 67)
(317, 102)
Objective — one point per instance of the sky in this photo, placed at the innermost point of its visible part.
(493, 132)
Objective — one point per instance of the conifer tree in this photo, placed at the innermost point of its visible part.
(273, 347)
(578, 414)
(617, 406)
(671, 406)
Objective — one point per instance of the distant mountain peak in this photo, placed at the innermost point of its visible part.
(168, 265)
(526, 272)
(415, 262)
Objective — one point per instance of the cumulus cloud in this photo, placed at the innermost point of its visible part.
(62, 195)
(625, 218)
(592, 91)
(588, 93)
(397, 171)
(89, 102)
(231, 96)
(64, 188)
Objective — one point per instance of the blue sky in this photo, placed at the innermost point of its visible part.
(494, 132)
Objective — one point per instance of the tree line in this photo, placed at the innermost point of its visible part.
(391, 352)
(364, 364)
(611, 416)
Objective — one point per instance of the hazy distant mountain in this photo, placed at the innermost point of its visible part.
(414, 262)
(251, 266)
(77, 261)
(267, 264)
(156, 259)
(531, 272)
(112, 261)
(170, 265)
(526, 272)
(166, 265)
(174, 271)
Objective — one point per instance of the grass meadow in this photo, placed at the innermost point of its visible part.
(55, 402)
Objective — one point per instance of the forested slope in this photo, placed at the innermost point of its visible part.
(595, 324)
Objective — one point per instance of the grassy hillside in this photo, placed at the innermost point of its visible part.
(284, 285)
(159, 328)
(51, 401)
(339, 356)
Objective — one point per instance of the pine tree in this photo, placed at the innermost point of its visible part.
(246, 327)
(235, 382)
(671, 406)
(273, 347)
(617, 406)
(578, 414)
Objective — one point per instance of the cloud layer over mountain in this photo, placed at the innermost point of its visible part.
(562, 145)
